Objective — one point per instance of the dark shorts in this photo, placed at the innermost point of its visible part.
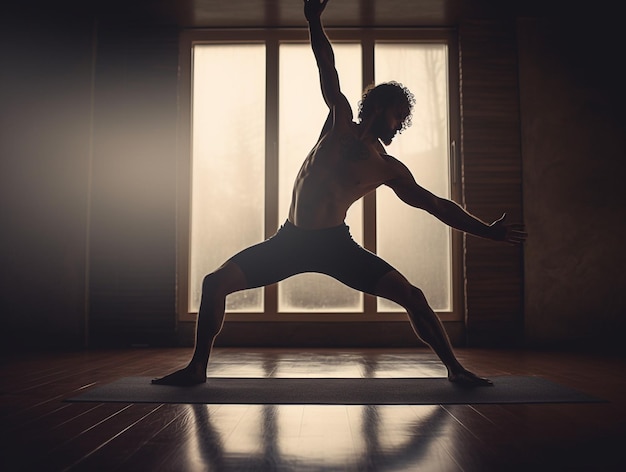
(330, 251)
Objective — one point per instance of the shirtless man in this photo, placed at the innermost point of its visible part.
(347, 163)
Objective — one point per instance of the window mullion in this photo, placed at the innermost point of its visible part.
(271, 159)
(369, 201)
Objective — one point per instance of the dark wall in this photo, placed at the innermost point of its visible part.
(45, 112)
(133, 195)
(87, 180)
(492, 178)
(573, 98)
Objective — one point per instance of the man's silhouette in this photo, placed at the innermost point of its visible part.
(346, 163)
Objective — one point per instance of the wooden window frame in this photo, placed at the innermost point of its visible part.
(272, 39)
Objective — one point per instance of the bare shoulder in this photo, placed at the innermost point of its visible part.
(398, 171)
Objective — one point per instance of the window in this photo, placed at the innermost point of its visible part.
(253, 108)
(424, 149)
(300, 116)
(227, 177)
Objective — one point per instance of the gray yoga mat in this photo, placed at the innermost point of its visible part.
(335, 391)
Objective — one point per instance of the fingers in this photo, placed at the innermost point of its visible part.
(516, 234)
(518, 230)
(514, 240)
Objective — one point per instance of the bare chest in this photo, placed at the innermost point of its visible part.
(343, 168)
(359, 167)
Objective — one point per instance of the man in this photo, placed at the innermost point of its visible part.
(347, 163)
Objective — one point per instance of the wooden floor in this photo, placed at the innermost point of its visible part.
(41, 432)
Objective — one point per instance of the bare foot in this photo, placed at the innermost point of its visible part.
(465, 378)
(184, 378)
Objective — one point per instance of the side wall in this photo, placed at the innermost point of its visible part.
(45, 133)
(573, 127)
(492, 178)
(133, 193)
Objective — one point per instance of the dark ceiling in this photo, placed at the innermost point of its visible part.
(288, 13)
(343, 13)
(600, 21)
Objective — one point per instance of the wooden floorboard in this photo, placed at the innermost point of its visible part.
(41, 432)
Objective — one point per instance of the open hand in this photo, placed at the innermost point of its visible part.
(313, 8)
(510, 233)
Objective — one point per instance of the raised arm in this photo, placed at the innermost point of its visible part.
(325, 58)
(450, 213)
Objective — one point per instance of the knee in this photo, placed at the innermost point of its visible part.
(222, 282)
(416, 298)
(212, 284)
(417, 294)
(403, 293)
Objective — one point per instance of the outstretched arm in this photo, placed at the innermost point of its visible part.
(449, 212)
(324, 56)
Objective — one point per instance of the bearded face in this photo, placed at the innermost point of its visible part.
(387, 123)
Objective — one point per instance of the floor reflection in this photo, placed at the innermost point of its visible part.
(320, 437)
(332, 438)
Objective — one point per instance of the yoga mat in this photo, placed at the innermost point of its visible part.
(335, 391)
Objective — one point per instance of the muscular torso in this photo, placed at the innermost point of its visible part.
(339, 170)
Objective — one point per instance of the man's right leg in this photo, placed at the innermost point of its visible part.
(215, 287)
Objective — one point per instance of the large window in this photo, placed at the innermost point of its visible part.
(254, 111)
(228, 163)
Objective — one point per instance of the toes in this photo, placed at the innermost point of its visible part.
(467, 379)
(182, 378)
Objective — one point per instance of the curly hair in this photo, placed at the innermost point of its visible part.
(386, 93)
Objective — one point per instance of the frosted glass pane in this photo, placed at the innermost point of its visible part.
(228, 162)
(413, 241)
(302, 113)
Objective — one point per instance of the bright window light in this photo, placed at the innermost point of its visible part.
(302, 113)
(413, 241)
(228, 191)
(228, 162)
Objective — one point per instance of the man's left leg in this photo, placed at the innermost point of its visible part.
(426, 324)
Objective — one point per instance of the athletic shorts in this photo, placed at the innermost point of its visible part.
(330, 251)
